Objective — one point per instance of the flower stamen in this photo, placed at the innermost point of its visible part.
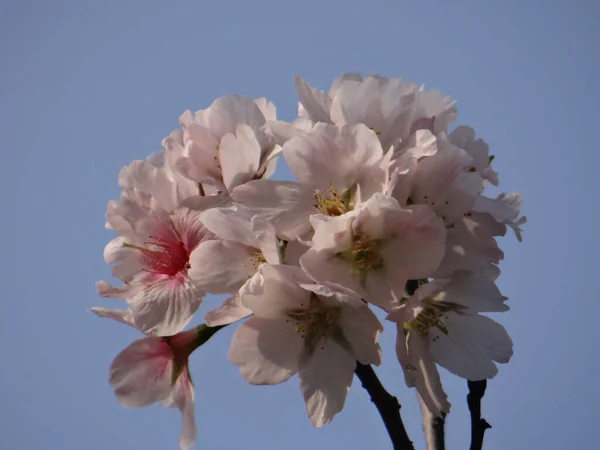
(314, 323)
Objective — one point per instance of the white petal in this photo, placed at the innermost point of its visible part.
(226, 112)
(345, 77)
(361, 329)
(332, 157)
(283, 131)
(419, 244)
(221, 267)
(285, 204)
(473, 290)
(325, 379)
(470, 245)
(239, 155)
(230, 311)
(471, 345)
(316, 102)
(427, 378)
(274, 290)
(165, 307)
(267, 108)
(230, 226)
(266, 350)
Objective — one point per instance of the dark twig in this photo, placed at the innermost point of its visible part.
(386, 404)
(478, 424)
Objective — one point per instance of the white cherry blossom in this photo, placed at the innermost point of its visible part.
(333, 165)
(226, 144)
(373, 251)
(441, 323)
(294, 330)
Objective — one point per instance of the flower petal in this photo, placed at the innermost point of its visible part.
(266, 350)
(141, 374)
(230, 311)
(120, 315)
(470, 346)
(426, 376)
(325, 379)
(165, 307)
(221, 267)
(317, 103)
(182, 397)
(239, 155)
(361, 329)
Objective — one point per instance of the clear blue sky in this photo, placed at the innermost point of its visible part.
(86, 87)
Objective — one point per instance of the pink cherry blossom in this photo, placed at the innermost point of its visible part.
(153, 261)
(152, 370)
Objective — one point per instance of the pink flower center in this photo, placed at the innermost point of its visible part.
(169, 256)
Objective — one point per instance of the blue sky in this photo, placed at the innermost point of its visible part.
(87, 87)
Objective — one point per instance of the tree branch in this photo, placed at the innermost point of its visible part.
(386, 404)
(478, 425)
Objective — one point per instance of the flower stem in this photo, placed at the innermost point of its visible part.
(386, 404)
(433, 428)
(478, 424)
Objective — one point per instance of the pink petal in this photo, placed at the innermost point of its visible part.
(182, 397)
(141, 374)
(120, 315)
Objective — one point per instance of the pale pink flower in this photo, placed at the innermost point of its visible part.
(154, 369)
(336, 168)
(295, 330)
(471, 245)
(440, 323)
(505, 209)
(464, 137)
(225, 145)
(374, 250)
(225, 265)
(432, 171)
(392, 107)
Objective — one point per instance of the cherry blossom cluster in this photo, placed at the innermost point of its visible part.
(387, 212)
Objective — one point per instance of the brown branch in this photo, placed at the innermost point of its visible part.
(386, 404)
(478, 424)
